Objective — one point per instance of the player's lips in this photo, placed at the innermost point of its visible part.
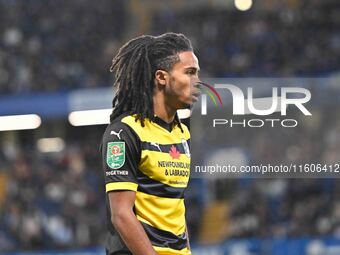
(196, 92)
(196, 95)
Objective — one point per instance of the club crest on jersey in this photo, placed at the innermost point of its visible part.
(115, 155)
(186, 147)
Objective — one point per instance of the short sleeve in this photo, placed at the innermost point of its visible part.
(120, 157)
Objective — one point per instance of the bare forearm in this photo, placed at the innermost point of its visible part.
(133, 234)
(187, 233)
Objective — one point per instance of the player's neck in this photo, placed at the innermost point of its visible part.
(162, 111)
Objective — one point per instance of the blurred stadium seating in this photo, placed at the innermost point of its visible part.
(50, 51)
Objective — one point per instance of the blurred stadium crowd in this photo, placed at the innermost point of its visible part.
(284, 207)
(49, 45)
(50, 201)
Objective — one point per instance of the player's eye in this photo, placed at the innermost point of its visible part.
(191, 72)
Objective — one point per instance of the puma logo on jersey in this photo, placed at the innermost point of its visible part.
(116, 134)
(156, 145)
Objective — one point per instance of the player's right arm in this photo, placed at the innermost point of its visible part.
(126, 223)
(121, 154)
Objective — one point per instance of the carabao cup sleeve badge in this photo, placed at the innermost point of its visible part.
(115, 155)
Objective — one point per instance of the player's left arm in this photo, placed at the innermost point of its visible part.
(187, 234)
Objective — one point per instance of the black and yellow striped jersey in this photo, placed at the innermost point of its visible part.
(154, 161)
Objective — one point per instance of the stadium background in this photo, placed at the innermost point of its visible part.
(54, 60)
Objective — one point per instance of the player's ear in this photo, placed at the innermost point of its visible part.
(161, 77)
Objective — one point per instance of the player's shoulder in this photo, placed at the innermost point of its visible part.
(118, 130)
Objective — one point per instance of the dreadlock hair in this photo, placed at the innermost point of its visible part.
(135, 66)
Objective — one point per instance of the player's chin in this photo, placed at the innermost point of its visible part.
(188, 104)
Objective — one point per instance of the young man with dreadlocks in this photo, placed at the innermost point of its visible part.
(145, 150)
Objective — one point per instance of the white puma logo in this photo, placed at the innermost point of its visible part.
(156, 145)
(117, 134)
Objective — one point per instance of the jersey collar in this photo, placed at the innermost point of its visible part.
(163, 124)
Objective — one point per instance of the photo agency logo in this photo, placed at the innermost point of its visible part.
(278, 102)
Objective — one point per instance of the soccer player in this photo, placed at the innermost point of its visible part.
(145, 149)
